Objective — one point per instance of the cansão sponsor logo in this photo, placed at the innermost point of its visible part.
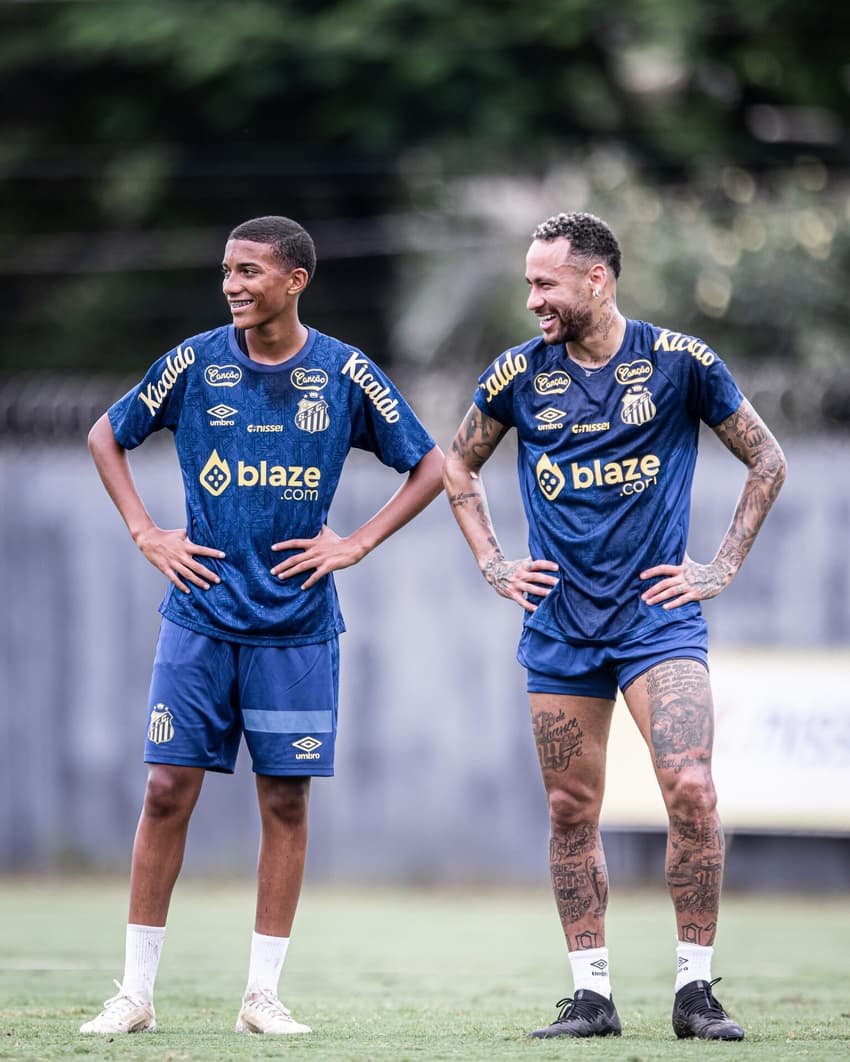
(155, 393)
(552, 383)
(161, 726)
(638, 407)
(695, 347)
(505, 368)
(552, 419)
(222, 375)
(586, 429)
(309, 379)
(222, 415)
(357, 369)
(633, 475)
(632, 372)
(298, 483)
(308, 746)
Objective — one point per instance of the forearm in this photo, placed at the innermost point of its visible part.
(759, 492)
(421, 487)
(468, 500)
(749, 440)
(112, 465)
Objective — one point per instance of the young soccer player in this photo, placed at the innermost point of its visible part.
(263, 412)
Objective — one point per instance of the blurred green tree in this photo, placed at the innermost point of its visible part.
(135, 134)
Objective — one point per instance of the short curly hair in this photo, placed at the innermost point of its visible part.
(589, 237)
(291, 244)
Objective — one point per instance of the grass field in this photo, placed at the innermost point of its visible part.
(401, 975)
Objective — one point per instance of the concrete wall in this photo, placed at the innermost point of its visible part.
(436, 773)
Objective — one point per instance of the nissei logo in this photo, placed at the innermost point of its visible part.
(222, 375)
(633, 475)
(298, 483)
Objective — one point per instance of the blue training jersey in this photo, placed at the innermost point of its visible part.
(606, 460)
(261, 450)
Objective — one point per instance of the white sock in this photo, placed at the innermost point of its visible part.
(590, 970)
(693, 963)
(267, 957)
(142, 950)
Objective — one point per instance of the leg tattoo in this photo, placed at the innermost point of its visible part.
(580, 884)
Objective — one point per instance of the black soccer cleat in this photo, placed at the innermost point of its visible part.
(697, 1013)
(586, 1014)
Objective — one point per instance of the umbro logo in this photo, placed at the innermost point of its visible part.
(551, 413)
(221, 411)
(600, 965)
(307, 744)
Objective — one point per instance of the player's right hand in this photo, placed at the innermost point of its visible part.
(515, 579)
(174, 554)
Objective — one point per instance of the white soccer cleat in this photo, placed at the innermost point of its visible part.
(121, 1014)
(263, 1012)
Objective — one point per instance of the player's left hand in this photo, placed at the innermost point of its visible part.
(325, 553)
(680, 583)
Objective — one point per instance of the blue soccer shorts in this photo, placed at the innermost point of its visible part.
(206, 693)
(596, 670)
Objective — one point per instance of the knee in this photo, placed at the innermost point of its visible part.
(691, 797)
(571, 808)
(285, 801)
(169, 794)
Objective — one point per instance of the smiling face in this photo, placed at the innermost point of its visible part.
(258, 287)
(561, 287)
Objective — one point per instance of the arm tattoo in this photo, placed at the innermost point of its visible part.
(745, 435)
(476, 439)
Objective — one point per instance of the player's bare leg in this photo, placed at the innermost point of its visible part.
(571, 734)
(170, 798)
(672, 705)
(280, 872)
(283, 851)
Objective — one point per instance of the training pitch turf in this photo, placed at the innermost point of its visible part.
(395, 974)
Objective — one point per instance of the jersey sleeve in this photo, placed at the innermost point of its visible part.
(155, 403)
(713, 393)
(710, 389)
(382, 421)
(494, 395)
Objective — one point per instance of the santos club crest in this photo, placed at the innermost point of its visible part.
(638, 407)
(312, 415)
(161, 728)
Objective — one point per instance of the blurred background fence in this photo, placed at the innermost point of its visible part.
(437, 778)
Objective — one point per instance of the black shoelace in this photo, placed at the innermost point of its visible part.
(581, 1008)
(702, 1001)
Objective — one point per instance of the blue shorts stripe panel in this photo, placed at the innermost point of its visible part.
(315, 721)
